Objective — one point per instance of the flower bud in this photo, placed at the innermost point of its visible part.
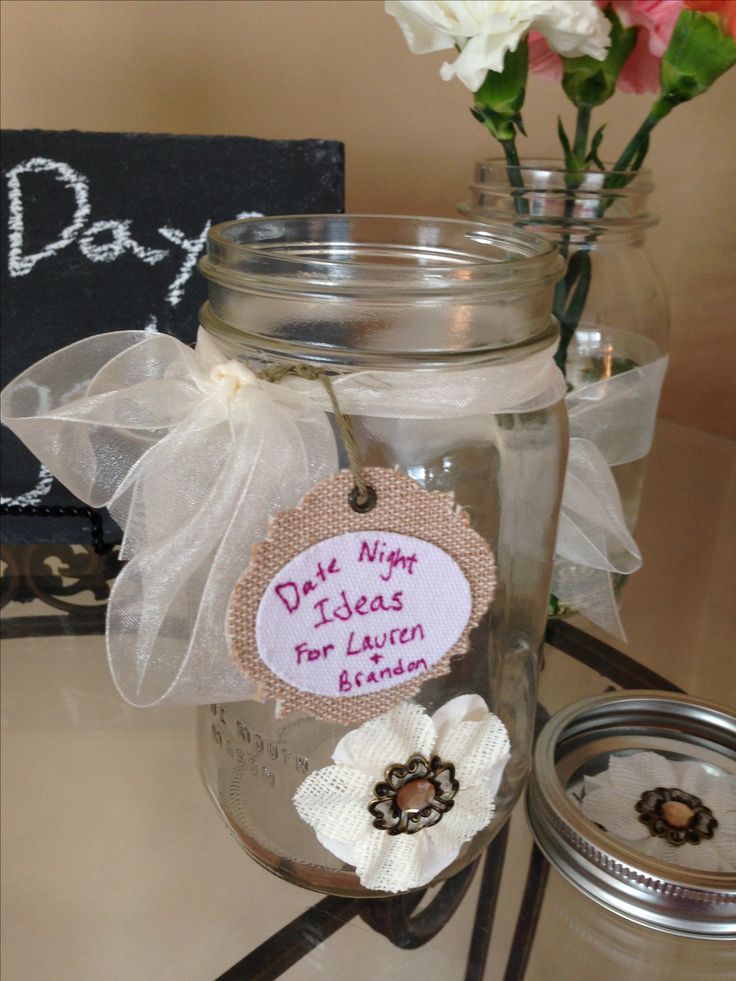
(499, 100)
(587, 81)
(698, 53)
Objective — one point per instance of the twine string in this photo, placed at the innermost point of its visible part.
(363, 496)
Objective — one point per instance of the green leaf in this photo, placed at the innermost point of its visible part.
(572, 164)
(698, 53)
(587, 81)
(595, 144)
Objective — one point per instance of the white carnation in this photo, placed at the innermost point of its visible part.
(484, 30)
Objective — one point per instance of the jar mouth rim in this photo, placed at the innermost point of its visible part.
(399, 252)
(233, 338)
(592, 179)
(584, 225)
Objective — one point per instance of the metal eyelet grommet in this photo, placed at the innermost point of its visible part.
(359, 505)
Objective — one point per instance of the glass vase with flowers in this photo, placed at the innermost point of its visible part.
(610, 304)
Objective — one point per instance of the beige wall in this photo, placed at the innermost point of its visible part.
(340, 69)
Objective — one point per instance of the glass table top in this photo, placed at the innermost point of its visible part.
(117, 866)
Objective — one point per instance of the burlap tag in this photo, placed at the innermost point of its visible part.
(403, 507)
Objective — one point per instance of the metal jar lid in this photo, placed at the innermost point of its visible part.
(579, 742)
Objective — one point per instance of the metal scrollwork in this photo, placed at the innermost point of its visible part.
(74, 580)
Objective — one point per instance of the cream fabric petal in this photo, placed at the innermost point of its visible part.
(437, 857)
(605, 807)
(474, 748)
(334, 801)
(725, 846)
(724, 812)
(600, 782)
(347, 852)
(632, 775)
(657, 849)
(391, 738)
(705, 856)
(472, 811)
(369, 852)
(464, 708)
(493, 780)
(715, 790)
(400, 862)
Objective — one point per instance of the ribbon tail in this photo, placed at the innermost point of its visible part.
(168, 609)
(590, 592)
(593, 540)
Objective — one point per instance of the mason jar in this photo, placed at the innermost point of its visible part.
(611, 303)
(446, 326)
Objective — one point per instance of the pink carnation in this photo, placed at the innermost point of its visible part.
(655, 20)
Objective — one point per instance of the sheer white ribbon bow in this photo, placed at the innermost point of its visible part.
(191, 455)
(611, 424)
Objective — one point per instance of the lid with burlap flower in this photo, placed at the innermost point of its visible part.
(678, 811)
(407, 791)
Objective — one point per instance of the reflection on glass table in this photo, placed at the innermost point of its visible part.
(117, 866)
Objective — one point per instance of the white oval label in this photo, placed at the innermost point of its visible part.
(362, 612)
(342, 614)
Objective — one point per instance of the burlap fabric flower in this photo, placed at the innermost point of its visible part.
(407, 791)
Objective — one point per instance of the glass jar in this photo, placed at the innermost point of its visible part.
(611, 304)
(414, 297)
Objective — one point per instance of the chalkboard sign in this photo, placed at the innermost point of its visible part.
(102, 232)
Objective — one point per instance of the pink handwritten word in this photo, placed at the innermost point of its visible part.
(288, 592)
(368, 642)
(395, 559)
(361, 607)
(312, 653)
(376, 642)
(360, 678)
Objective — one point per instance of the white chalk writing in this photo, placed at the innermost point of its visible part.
(100, 241)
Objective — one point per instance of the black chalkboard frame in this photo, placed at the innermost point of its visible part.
(102, 232)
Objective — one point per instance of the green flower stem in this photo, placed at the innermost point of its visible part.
(512, 162)
(579, 149)
(582, 128)
(572, 291)
(637, 145)
(513, 166)
(636, 149)
(571, 294)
